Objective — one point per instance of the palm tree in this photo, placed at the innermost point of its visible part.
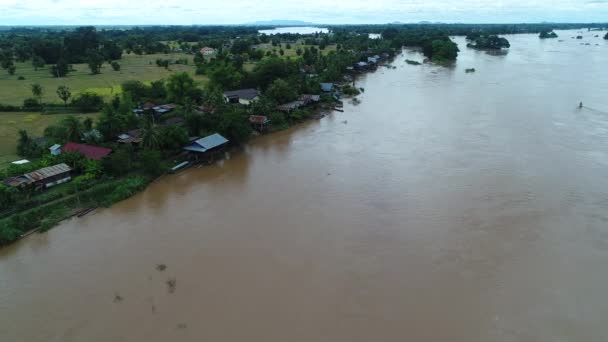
(37, 92)
(151, 137)
(73, 128)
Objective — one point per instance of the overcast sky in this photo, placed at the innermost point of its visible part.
(201, 12)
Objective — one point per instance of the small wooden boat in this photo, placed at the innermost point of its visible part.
(85, 212)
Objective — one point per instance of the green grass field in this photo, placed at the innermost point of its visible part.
(34, 123)
(133, 67)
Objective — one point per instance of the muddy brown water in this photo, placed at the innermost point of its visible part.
(445, 207)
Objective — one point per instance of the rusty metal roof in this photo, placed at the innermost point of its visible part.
(47, 172)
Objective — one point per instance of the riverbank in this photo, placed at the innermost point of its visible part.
(105, 192)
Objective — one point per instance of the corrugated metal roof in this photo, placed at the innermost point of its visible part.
(47, 172)
(91, 152)
(247, 94)
(207, 143)
(55, 147)
(258, 119)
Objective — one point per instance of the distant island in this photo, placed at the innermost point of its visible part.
(547, 35)
(487, 42)
(280, 23)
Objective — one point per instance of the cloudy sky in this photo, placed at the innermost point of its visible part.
(200, 12)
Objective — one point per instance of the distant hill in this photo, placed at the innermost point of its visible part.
(280, 23)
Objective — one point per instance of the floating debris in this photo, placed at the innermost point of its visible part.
(345, 122)
(161, 267)
(117, 298)
(171, 283)
(469, 70)
(182, 326)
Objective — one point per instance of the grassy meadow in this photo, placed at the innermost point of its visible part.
(142, 68)
(34, 123)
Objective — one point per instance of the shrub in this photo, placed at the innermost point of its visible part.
(31, 103)
(88, 102)
(115, 66)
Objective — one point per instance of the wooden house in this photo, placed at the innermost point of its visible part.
(259, 122)
(207, 148)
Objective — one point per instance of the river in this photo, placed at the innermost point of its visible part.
(446, 206)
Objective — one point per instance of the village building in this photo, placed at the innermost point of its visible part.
(309, 99)
(55, 149)
(259, 122)
(290, 106)
(89, 151)
(361, 66)
(130, 137)
(327, 87)
(242, 96)
(207, 51)
(164, 109)
(43, 178)
(206, 148)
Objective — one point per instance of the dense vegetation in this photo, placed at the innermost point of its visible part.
(545, 34)
(242, 59)
(490, 42)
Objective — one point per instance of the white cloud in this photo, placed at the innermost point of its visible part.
(77, 12)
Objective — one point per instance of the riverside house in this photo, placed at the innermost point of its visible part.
(207, 148)
(43, 178)
(242, 96)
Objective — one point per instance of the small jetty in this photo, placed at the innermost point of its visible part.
(85, 212)
(179, 166)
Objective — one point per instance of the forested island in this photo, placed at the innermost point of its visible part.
(490, 42)
(547, 35)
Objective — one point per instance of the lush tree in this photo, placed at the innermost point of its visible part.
(235, 126)
(119, 162)
(444, 50)
(37, 91)
(281, 91)
(492, 42)
(95, 61)
(115, 66)
(88, 102)
(73, 128)
(151, 136)
(180, 86)
(64, 93)
(56, 133)
(390, 33)
(278, 120)
(7, 197)
(60, 69)
(37, 62)
(136, 89)
(226, 76)
(111, 51)
(606, 36)
(87, 124)
(25, 145)
(174, 137)
(31, 103)
(151, 162)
